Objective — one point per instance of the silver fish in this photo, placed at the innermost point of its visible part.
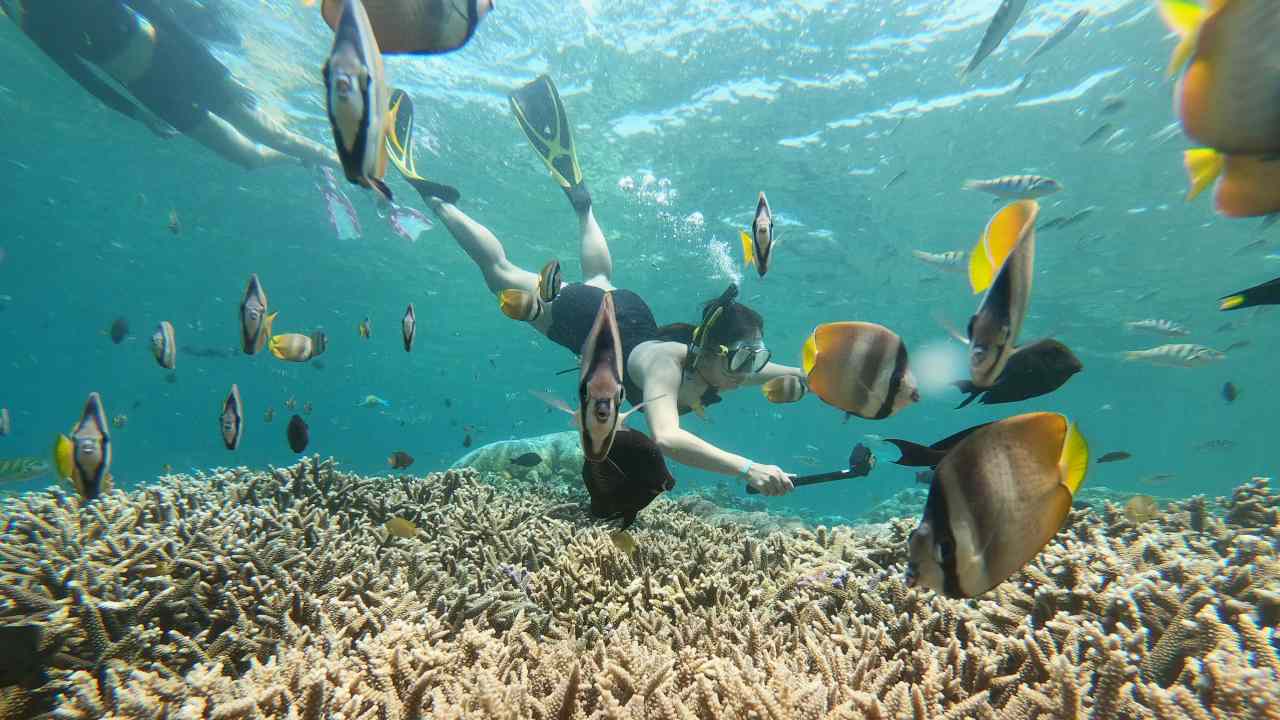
(163, 346)
(358, 100)
(232, 419)
(1096, 134)
(255, 323)
(1059, 35)
(409, 327)
(1016, 187)
(1159, 327)
(993, 329)
(1077, 216)
(1180, 355)
(1001, 23)
(894, 180)
(951, 260)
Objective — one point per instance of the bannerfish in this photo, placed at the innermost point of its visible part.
(119, 330)
(1115, 456)
(996, 499)
(1003, 264)
(163, 346)
(1267, 293)
(1181, 355)
(1224, 100)
(1230, 392)
(6, 423)
(85, 458)
(630, 477)
(757, 245)
(529, 459)
(861, 368)
(232, 419)
(23, 468)
(549, 281)
(298, 433)
(1015, 187)
(1159, 327)
(417, 27)
(372, 401)
(255, 323)
(409, 327)
(1059, 35)
(357, 99)
(365, 328)
(785, 389)
(950, 261)
(296, 347)
(1001, 23)
(1033, 370)
(400, 460)
(600, 388)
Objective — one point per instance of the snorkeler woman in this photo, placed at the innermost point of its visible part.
(675, 369)
(139, 60)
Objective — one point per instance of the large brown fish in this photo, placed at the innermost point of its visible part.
(861, 368)
(419, 27)
(298, 433)
(631, 476)
(1003, 264)
(1033, 370)
(995, 500)
(600, 384)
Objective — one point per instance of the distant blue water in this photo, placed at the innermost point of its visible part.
(723, 100)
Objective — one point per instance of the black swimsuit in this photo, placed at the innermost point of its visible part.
(574, 312)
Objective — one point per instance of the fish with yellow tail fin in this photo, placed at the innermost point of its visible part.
(1268, 293)
(163, 346)
(1225, 100)
(861, 368)
(84, 458)
(357, 99)
(1003, 264)
(997, 497)
(784, 389)
(520, 305)
(757, 245)
(255, 323)
(296, 347)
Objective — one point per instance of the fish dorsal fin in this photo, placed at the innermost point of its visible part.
(1184, 18)
(1203, 166)
(748, 253)
(1002, 234)
(1074, 462)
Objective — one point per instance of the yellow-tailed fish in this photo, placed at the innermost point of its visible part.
(995, 500)
(520, 305)
(757, 245)
(409, 327)
(163, 346)
(231, 420)
(861, 368)
(785, 389)
(357, 98)
(255, 323)
(419, 27)
(365, 328)
(89, 451)
(1003, 263)
(1268, 293)
(293, 347)
(1015, 187)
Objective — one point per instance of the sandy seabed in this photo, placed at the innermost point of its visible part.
(254, 594)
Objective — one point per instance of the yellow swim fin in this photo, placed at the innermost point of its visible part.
(1203, 166)
(748, 256)
(1184, 18)
(1074, 461)
(399, 144)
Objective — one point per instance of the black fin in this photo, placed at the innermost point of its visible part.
(944, 445)
(968, 387)
(381, 188)
(428, 190)
(914, 455)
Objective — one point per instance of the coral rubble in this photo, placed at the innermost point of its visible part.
(238, 594)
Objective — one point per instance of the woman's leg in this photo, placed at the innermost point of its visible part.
(597, 264)
(219, 136)
(249, 119)
(485, 250)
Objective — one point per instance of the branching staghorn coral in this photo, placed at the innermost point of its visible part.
(239, 594)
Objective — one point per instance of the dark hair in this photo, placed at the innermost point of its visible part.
(735, 322)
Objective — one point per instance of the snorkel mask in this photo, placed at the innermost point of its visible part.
(743, 357)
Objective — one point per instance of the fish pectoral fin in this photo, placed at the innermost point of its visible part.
(1203, 166)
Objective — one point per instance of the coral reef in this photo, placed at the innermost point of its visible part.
(239, 594)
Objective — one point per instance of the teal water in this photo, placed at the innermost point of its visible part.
(724, 100)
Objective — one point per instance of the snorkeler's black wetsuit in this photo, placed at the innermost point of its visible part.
(182, 81)
(575, 311)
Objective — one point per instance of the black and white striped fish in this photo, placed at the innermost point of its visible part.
(861, 368)
(1016, 187)
(163, 345)
(951, 260)
(358, 100)
(1159, 327)
(1180, 355)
